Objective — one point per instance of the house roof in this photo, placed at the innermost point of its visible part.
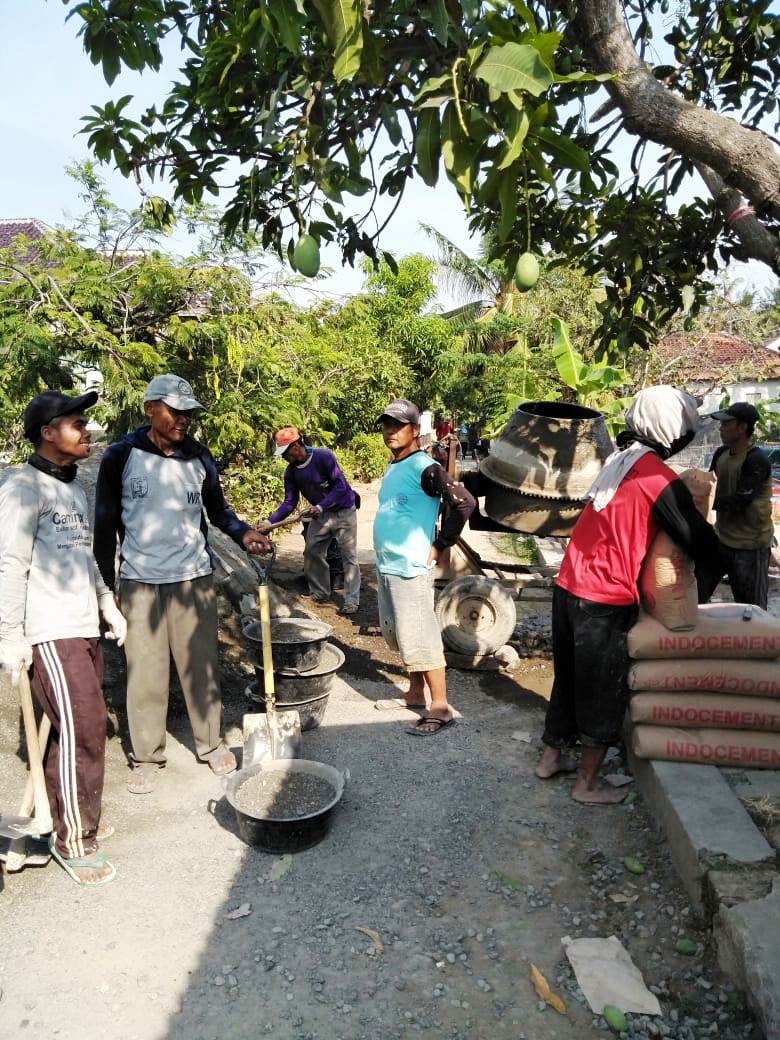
(713, 357)
(32, 228)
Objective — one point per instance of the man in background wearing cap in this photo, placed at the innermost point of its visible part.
(153, 487)
(50, 596)
(407, 551)
(315, 474)
(743, 503)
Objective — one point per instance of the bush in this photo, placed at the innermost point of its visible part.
(255, 488)
(364, 458)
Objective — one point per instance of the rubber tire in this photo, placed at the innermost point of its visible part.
(495, 603)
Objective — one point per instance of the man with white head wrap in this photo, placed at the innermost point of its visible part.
(596, 597)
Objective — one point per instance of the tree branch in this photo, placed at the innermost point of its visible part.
(754, 235)
(743, 158)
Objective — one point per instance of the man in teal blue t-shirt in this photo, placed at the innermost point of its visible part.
(407, 550)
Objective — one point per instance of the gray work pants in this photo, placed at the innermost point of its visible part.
(176, 620)
(340, 524)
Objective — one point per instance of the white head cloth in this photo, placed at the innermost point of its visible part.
(661, 414)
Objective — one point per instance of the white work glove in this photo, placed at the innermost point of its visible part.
(115, 619)
(15, 657)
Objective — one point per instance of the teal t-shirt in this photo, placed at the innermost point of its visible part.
(405, 523)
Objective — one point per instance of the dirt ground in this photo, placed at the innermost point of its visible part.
(466, 867)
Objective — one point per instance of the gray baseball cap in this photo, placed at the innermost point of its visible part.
(173, 390)
(402, 411)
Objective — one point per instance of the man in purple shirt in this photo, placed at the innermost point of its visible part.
(315, 474)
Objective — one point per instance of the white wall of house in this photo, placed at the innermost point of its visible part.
(767, 390)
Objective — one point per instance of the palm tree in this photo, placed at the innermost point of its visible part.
(489, 296)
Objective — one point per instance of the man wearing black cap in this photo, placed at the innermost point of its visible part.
(407, 551)
(743, 503)
(50, 595)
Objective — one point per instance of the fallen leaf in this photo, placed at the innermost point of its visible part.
(618, 779)
(374, 936)
(280, 868)
(241, 911)
(521, 734)
(544, 992)
(618, 897)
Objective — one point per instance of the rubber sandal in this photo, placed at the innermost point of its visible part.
(418, 731)
(70, 866)
(142, 779)
(397, 704)
(223, 762)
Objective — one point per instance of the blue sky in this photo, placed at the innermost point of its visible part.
(47, 84)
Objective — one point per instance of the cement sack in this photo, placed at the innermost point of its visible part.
(667, 585)
(701, 484)
(721, 631)
(718, 747)
(686, 710)
(707, 674)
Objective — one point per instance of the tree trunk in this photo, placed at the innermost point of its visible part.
(743, 159)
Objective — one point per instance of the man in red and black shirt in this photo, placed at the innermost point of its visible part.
(596, 598)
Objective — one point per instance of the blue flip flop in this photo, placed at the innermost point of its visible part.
(71, 865)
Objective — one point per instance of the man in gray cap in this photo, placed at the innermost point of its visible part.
(407, 550)
(155, 488)
(743, 507)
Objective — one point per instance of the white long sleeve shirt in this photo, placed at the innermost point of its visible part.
(50, 586)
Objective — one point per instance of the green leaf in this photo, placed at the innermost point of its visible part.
(547, 44)
(342, 20)
(568, 362)
(427, 145)
(440, 21)
(563, 150)
(515, 66)
(111, 66)
(289, 24)
(515, 135)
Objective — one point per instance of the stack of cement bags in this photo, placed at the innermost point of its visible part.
(711, 694)
(706, 680)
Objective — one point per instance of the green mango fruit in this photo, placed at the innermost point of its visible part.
(526, 272)
(615, 1018)
(306, 256)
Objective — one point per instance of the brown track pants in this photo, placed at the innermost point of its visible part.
(68, 684)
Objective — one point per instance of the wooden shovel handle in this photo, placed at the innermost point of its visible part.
(264, 612)
(40, 799)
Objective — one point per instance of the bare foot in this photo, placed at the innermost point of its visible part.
(598, 793)
(553, 762)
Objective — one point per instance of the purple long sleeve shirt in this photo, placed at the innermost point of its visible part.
(319, 480)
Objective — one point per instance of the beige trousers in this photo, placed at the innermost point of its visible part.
(176, 620)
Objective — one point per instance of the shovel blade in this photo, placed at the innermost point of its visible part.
(23, 826)
(264, 741)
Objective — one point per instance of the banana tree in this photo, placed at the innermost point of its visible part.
(594, 386)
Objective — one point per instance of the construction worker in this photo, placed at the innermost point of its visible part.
(155, 488)
(51, 596)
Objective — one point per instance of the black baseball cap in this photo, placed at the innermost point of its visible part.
(402, 411)
(51, 404)
(741, 411)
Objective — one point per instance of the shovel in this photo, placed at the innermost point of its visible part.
(276, 734)
(23, 825)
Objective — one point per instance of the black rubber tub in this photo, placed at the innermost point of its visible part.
(311, 712)
(297, 643)
(287, 835)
